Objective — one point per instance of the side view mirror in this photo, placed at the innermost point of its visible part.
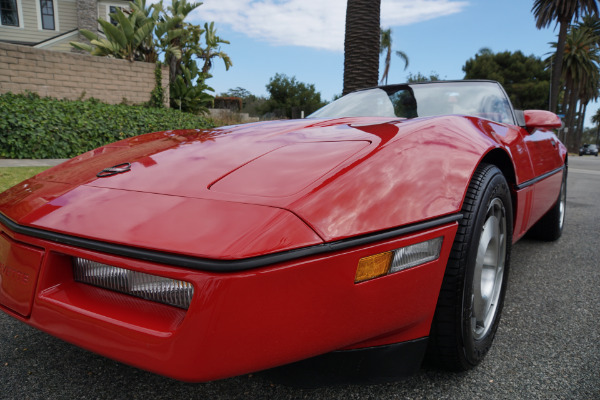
(539, 119)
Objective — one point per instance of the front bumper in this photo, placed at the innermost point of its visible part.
(238, 322)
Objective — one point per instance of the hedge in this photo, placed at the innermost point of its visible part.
(34, 127)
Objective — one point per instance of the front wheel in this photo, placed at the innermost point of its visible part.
(472, 293)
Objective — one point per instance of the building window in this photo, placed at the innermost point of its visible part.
(113, 10)
(9, 15)
(47, 10)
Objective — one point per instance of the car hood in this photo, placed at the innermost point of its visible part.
(248, 190)
(201, 193)
(246, 159)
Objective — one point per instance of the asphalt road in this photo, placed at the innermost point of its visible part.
(547, 346)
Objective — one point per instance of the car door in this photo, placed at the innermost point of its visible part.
(543, 147)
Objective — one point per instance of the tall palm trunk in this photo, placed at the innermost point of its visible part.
(557, 66)
(361, 44)
(174, 65)
(582, 110)
(565, 130)
(388, 62)
(570, 115)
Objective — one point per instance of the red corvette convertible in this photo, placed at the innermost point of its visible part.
(379, 228)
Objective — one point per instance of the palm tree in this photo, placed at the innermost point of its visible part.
(213, 49)
(171, 31)
(592, 22)
(563, 11)
(591, 89)
(588, 92)
(596, 120)
(385, 46)
(580, 70)
(361, 44)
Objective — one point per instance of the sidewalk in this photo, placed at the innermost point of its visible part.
(6, 162)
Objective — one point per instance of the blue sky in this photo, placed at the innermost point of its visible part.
(305, 38)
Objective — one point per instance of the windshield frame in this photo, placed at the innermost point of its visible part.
(427, 98)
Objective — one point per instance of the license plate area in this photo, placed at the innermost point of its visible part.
(19, 269)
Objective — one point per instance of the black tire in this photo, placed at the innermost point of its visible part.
(465, 322)
(549, 228)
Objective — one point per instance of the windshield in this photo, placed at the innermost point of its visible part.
(473, 98)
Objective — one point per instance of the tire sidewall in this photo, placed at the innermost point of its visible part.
(495, 186)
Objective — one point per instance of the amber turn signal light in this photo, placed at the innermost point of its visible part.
(398, 260)
(373, 266)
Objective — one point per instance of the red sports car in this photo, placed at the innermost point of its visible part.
(381, 225)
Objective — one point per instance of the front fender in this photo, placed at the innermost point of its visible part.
(420, 174)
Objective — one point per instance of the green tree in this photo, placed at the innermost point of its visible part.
(361, 44)
(419, 77)
(147, 31)
(238, 92)
(288, 97)
(563, 12)
(524, 78)
(385, 46)
(251, 104)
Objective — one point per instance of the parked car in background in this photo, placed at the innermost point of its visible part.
(380, 228)
(588, 150)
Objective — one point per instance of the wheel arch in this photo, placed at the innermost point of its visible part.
(500, 158)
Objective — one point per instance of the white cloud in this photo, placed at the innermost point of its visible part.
(406, 12)
(311, 23)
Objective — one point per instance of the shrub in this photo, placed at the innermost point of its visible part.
(34, 127)
(289, 97)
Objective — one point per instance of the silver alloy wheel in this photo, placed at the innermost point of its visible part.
(489, 270)
(562, 205)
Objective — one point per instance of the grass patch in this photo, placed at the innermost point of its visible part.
(10, 176)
